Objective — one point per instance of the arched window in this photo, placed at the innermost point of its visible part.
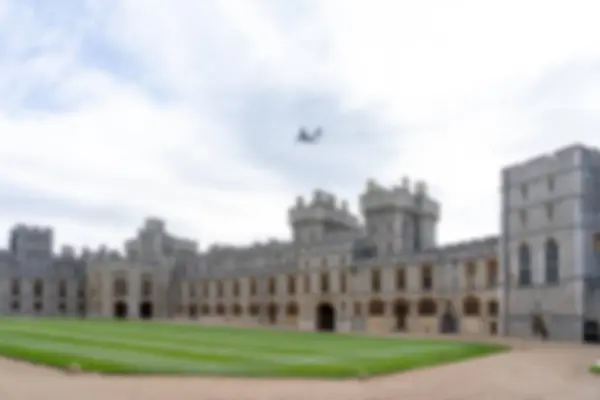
(376, 308)
(236, 310)
(471, 307)
(524, 265)
(552, 262)
(254, 309)
(291, 309)
(427, 307)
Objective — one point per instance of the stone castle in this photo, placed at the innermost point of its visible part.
(539, 277)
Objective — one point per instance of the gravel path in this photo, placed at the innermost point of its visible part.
(532, 371)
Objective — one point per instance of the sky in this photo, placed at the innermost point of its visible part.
(115, 110)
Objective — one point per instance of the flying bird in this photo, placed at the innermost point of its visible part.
(307, 137)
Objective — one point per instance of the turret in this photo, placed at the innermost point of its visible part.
(401, 217)
(313, 220)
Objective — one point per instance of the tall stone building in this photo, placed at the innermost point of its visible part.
(384, 272)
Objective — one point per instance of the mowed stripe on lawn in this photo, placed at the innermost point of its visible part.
(100, 345)
(251, 344)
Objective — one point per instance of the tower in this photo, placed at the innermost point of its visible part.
(312, 221)
(30, 244)
(549, 246)
(399, 218)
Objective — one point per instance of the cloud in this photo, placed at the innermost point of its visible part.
(114, 110)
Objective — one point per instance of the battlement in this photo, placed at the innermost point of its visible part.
(67, 252)
(561, 159)
(32, 230)
(102, 254)
(322, 207)
(412, 198)
(154, 224)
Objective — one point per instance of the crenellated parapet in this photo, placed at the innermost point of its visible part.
(323, 206)
(406, 197)
(102, 254)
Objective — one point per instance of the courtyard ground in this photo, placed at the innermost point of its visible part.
(532, 371)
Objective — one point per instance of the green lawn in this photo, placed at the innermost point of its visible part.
(113, 347)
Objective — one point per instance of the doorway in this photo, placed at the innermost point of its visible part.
(272, 311)
(325, 317)
(401, 313)
(146, 310)
(591, 331)
(120, 310)
(448, 320)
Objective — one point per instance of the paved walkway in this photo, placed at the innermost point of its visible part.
(532, 371)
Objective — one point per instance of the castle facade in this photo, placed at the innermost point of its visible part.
(539, 277)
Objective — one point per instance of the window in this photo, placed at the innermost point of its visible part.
(524, 191)
(400, 278)
(253, 288)
(470, 272)
(120, 287)
(62, 289)
(306, 283)
(492, 274)
(15, 287)
(291, 283)
(236, 288)
(376, 308)
(191, 290)
(62, 308)
(493, 309)
(254, 310)
(343, 282)
(291, 309)
(146, 287)
(376, 281)
(550, 212)
(426, 278)
(220, 289)
(471, 306)
(81, 290)
(524, 265)
(427, 307)
(236, 310)
(272, 286)
(38, 288)
(552, 262)
(324, 283)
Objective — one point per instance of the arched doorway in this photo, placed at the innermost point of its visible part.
(272, 311)
(120, 310)
(400, 314)
(146, 310)
(325, 317)
(193, 311)
(448, 320)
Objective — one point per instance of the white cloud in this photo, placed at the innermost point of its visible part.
(451, 77)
